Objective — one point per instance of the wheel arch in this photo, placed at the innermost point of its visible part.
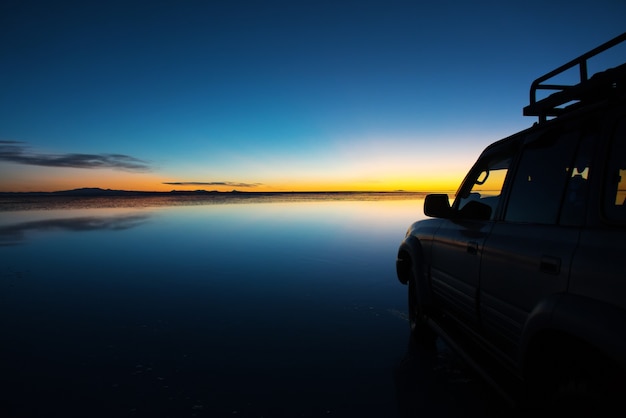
(409, 255)
(576, 329)
(411, 264)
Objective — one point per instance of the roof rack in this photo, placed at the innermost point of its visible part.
(588, 89)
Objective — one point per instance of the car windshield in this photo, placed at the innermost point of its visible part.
(486, 185)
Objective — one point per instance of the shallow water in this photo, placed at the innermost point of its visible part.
(272, 308)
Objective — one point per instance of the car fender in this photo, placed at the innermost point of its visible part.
(410, 254)
(417, 245)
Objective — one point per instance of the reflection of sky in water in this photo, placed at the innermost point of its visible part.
(234, 305)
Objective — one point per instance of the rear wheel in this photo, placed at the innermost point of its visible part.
(576, 380)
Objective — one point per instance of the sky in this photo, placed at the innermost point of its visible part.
(297, 95)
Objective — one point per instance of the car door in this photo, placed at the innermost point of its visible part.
(457, 244)
(599, 268)
(528, 254)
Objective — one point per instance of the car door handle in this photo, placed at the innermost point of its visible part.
(550, 265)
(472, 247)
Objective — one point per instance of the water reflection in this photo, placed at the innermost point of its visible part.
(15, 233)
(273, 309)
(431, 381)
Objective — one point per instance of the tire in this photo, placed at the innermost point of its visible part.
(420, 330)
(589, 386)
(577, 381)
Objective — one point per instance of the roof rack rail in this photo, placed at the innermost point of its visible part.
(593, 88)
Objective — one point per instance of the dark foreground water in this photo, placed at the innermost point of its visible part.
(247, 308)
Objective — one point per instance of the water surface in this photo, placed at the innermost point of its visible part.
(285, 307)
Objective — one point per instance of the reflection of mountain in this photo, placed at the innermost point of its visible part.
(13, 234)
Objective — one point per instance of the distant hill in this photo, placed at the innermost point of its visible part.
(95, 191)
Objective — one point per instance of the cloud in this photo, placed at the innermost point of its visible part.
(17, 152)
(212, 183)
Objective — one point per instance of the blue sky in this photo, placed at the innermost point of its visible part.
(274, 95)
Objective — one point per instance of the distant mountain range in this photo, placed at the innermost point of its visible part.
(95, 191)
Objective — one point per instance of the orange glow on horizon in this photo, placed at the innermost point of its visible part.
(152, 186)
(39, 179)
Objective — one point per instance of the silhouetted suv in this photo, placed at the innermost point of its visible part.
(525, 272)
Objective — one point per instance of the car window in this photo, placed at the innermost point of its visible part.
(576, 193)
(485, 187)
(539, 183)
(615, 190)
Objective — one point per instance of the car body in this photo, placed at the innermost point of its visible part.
(525, 272)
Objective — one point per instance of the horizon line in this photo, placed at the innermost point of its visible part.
(98, 189)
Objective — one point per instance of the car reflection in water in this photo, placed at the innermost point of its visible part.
(432, 381)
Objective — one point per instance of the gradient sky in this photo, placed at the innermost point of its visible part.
(274, 95)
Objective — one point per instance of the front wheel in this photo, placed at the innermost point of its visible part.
(417, 319)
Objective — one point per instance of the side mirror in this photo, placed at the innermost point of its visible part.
(437, 206)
